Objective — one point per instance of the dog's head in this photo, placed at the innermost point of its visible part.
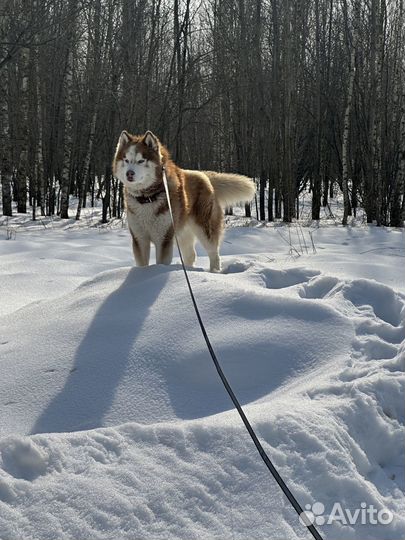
(138, 161)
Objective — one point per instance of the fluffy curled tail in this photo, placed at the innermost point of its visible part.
(231, 188)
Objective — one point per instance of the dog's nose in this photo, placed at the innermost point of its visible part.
(130, 175)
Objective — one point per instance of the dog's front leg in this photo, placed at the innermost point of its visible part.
(141, 249)
(164, 248)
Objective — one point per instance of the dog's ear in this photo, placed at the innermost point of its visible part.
(124, 138)
(151, 141)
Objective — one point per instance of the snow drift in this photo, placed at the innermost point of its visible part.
(114, 423)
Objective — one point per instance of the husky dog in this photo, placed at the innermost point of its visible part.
(197, 199)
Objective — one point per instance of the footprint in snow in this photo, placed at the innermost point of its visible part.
(386, 304)
(23, 458)
(237, 267)
(282, 279)
(375, 348)
(318, 287)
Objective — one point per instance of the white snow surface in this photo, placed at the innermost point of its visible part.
(115, 425)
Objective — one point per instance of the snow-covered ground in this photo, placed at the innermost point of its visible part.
(114, 424)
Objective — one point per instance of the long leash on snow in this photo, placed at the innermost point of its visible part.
(267, 461)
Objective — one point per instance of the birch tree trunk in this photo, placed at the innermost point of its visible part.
(22, 144)
(377, 128)
(397, 215)
(346, 135)
(68, 113)
(5, 165)
(86, 165)
(351, 37)
(39, 161)
(288, 188)
(398, 120)
(316, 186)
(275, 125)
(94, 56)
(398, 210)
(68, 140)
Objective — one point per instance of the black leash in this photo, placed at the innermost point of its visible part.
(257, 443)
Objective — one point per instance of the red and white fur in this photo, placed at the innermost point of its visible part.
(197, 199)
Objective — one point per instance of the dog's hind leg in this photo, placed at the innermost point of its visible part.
(186, 240)
(215, 259)
(211, 245)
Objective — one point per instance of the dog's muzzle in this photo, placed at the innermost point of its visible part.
(130, 176)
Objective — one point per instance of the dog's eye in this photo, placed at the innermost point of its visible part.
(126, 160)
(141, 161)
